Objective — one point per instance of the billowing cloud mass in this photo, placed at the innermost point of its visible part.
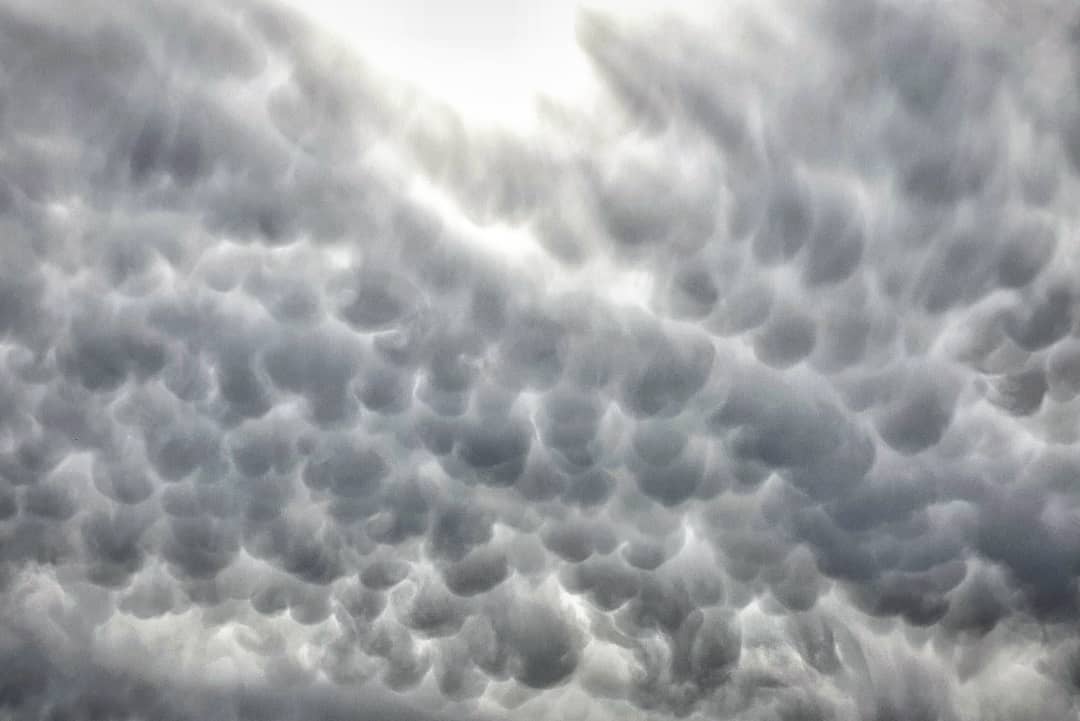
(752, 391)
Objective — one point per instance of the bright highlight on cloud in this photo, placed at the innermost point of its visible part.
(748, 388)
(488, 58)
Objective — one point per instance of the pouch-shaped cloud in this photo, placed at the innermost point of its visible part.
(746, 389)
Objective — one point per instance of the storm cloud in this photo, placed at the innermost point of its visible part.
(752, 392)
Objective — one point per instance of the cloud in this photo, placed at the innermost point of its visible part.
(749, 392)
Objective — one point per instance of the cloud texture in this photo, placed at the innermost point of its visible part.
(752, 393)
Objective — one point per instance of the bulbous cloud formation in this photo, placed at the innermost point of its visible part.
(317, 402)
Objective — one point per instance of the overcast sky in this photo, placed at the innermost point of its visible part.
(535, 361)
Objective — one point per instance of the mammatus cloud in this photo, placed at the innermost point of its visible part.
(753, 396)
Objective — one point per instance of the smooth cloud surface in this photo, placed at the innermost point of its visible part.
(769, 411)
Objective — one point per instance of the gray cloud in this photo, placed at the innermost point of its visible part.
(282, 436)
